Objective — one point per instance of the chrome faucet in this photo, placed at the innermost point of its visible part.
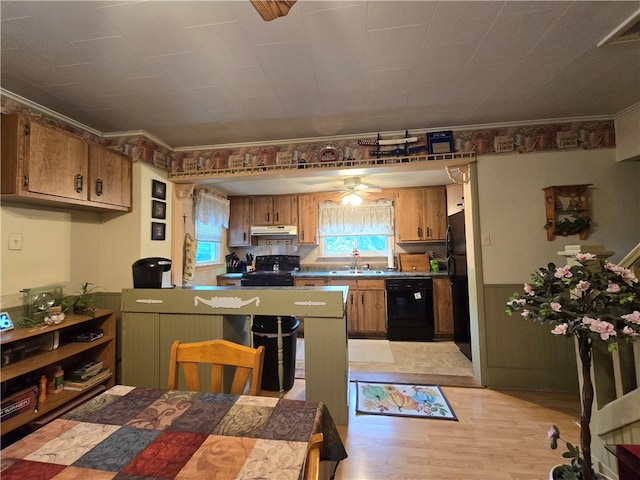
(355, 255)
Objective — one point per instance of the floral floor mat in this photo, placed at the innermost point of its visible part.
(426, 401)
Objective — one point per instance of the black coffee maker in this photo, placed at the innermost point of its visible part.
(152, 272)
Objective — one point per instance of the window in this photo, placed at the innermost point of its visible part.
(367, 227)
(208, 236)
(343, 245)
(212, 215)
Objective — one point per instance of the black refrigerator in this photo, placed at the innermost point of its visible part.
(457, 270)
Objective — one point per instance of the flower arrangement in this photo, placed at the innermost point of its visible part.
(594, 300)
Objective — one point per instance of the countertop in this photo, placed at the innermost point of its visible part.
(371, 274)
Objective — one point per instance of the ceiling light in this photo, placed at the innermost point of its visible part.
(351, 199)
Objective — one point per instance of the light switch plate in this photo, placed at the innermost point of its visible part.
(15, 241)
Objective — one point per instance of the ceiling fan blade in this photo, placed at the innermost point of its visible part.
(272, 9)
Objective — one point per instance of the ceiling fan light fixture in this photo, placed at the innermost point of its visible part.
(352, 199)
(272, 9)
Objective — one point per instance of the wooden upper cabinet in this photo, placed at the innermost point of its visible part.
(42, 164)
(239, 222)
(308, 219)
(274, 210)
(420, 214)
(110, 174)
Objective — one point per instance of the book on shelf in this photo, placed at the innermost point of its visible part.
(88, 336)
(89, 382)
(82, 377)
(93, 366)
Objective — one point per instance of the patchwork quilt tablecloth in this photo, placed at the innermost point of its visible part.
(135, 433)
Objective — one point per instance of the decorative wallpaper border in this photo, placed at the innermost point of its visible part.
(516, 139)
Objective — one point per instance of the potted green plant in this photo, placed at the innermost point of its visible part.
(82, 302)
(592, 301)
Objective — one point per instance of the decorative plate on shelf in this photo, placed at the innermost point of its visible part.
(328, 154)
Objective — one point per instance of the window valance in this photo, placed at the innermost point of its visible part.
(374, 218)
(212, 209)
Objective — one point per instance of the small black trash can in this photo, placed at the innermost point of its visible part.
(265, 333)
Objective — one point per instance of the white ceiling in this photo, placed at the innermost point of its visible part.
(214, 73)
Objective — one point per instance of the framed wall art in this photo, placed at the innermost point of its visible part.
(158, 209)
(440, 142)
(158, 230)
(158, 189)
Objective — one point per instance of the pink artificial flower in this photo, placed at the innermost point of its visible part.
(632, 317)
(583, 286)
(563, 272)
(585, 257)
(525, 313)
(560, 330)
(529, 289)
(627, 275)
(555, 306)
(630, 331)
(604, 329)
(613, 288)
(551, 434)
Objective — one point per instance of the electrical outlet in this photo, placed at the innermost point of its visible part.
(15, 241)
(486, 239)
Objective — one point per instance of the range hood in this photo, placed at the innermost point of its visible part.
(262, 230)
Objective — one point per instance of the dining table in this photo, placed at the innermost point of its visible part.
(134, 432)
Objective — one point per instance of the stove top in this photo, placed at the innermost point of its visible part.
(277, 263)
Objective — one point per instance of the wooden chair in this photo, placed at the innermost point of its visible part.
(312, 462)
(217, 353)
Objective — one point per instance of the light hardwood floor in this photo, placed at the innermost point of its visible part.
(499, 435)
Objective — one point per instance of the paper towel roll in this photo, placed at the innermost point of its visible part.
(390, 260)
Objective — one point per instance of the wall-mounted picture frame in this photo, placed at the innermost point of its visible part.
(440, 142)
(158, 209)
(158, 230)
(158, 189)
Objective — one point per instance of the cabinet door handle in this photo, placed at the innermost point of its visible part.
(419, 232)
(277, 217)
(428, 231)
(99, 187)
(362, 299)
(25, 181)
(244, 236)
(79, 181)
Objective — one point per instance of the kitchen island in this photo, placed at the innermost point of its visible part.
(153, 318)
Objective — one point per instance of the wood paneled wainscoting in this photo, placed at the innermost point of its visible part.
(520, 354)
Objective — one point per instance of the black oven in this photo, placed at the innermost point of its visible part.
(410, 309)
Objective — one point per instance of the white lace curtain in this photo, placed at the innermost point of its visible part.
(211, 209)
(375, 218)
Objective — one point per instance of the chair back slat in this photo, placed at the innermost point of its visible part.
(217, 353)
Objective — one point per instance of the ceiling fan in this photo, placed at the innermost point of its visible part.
(272, 9)
(354, 191)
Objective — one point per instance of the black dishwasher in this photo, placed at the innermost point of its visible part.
(409, 309)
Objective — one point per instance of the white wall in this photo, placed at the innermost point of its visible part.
(127, 238)
(512, 208)
(68, 247)
(58, 248)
